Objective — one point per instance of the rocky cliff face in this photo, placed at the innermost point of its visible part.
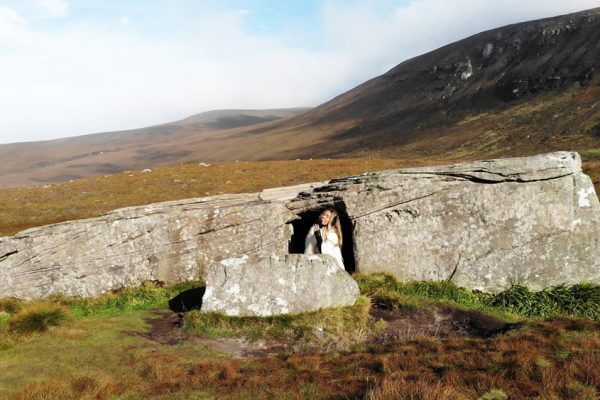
(487, 72)
(482, 225)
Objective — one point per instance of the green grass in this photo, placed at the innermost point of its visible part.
(384, 288)
(105, 352)
(148, 295)
(38, 317)
(20, 319)
(590, 153)
(581, 300)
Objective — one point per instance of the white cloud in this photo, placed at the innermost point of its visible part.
(14, 29)
(48, 9)
(85, 79)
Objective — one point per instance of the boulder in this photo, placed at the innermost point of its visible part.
(288, 284)
(483, 225)
(171, 241)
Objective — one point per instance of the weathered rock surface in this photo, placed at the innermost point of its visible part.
(482, 225)
(277, 285)
(172, 242)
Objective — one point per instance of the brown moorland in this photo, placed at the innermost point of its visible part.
(547, 359)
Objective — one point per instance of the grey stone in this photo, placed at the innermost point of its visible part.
(483, 225)
(263, 286)
(171, 242)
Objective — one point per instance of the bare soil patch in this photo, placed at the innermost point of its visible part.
(442, 321)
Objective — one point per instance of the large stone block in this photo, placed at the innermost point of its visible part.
(277, 285)
(170, 241)
(483, 225)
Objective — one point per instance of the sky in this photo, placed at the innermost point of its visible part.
(74, 67)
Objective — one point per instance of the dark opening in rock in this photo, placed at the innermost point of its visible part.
(190, 299)
(308, 218)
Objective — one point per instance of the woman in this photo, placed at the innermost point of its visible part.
(325, 237)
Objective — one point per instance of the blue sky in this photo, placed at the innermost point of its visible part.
(72, 67)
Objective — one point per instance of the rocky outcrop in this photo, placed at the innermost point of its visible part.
(277, 285)
(482, 225)
(171, 242)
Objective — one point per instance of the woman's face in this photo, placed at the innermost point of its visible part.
(325, 217)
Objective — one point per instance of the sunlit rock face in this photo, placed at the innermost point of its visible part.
(264, 286)
(483, 225)
(171, 242)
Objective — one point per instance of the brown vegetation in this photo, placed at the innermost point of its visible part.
(551, 359)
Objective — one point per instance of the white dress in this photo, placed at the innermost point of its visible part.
(329, 246)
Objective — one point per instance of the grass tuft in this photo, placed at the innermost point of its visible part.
(38, 317)
(10, 305)
(494, 394)
(580, 300)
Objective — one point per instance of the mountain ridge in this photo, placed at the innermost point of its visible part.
(517, 90)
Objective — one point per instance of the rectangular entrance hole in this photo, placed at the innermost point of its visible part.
(307, 219)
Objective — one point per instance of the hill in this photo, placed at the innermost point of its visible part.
(103, 153)
(518, 90)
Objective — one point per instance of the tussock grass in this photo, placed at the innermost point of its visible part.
(38, 317)
(332, 328)
(10, 305)
(387, 285)
(387, 292)
(580, 300)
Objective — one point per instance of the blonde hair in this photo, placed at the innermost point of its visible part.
(334, 224)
